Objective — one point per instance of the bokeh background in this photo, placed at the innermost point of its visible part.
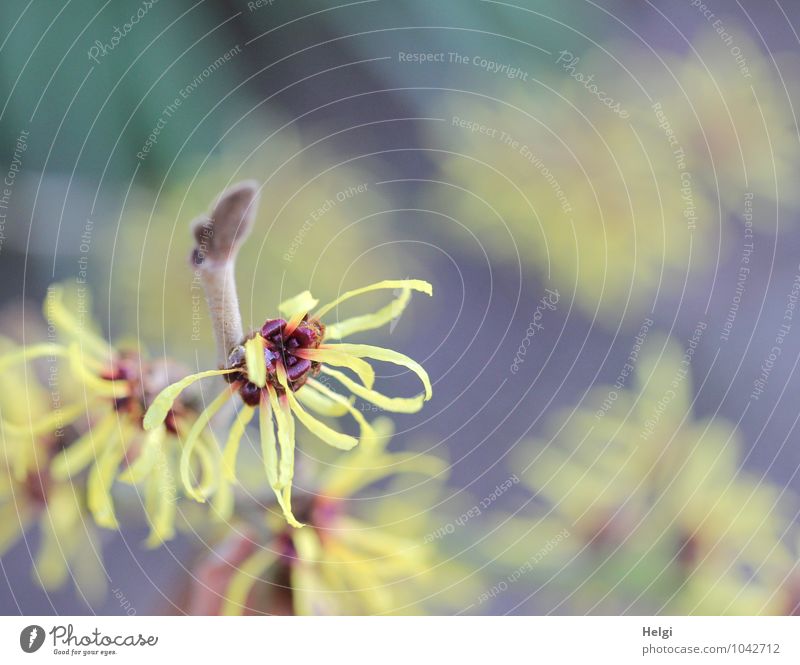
(604, 194)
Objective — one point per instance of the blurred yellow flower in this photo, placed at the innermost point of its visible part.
(349, 560)
(730, 106)
(108, 389)
(30, 495)
(662, 516)
(593, 202)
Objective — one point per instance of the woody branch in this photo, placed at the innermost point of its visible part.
(218, 238)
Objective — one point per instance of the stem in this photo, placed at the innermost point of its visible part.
(213, 258)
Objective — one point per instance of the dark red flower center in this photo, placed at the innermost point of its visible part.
(36, 486)
(144, 380)
(281, 347)
(127, 369)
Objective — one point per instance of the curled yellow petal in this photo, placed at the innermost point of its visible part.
(366, 431)
(192, 438)
(285, 423)
(254, 360)
(141, 467)
(26, 353)
(394, 404)
(382, 432)
(58, 530)
(331, 356)
(308, 587)
(284, 497)
(357, 324)
(223, 502)
(207, 454)
(414, 284)
(91, 380)
(65, 321)
(301, 304)
(50, 422)
(320, 429)
(161, 503)
(78, 455)
(269, 454)
(162, 404)
(243, 580)
(318, 403)
(101, 478)
(231, 450)
(389, 356)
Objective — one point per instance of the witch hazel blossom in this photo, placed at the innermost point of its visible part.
(275, 370)
(104, 417)
(392, 572)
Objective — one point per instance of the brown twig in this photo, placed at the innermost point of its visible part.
(218, 238)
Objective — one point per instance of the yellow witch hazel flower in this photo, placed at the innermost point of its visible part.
(69, 546)
(277, 371)
(565, 185)
(736, 115)
(31, 497)
(661, 515)
(343, 564)
(107, 409)
(729, 120)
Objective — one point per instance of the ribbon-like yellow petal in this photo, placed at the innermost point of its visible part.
(366, 431)
(101, 478)
(285, 423)
(254, 360)
(284, 497)
(243, 580)
(78, 455)
(95, 384)
(57, 527)
(163, 402)
(65, 321)
(32, 352)
(162, 501)
(308, 587)
(223, 501)
(357, 324)
(192, 438)
(301, 304)
(394, 404)
(139, 469)
(49, 422)
(320, 429)
(318, 403)
(269, 454)
(270, 457)
(207, 454)
(389, 356)
(331, 356)
(231, 450)
(382, 432)
(415, 284)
